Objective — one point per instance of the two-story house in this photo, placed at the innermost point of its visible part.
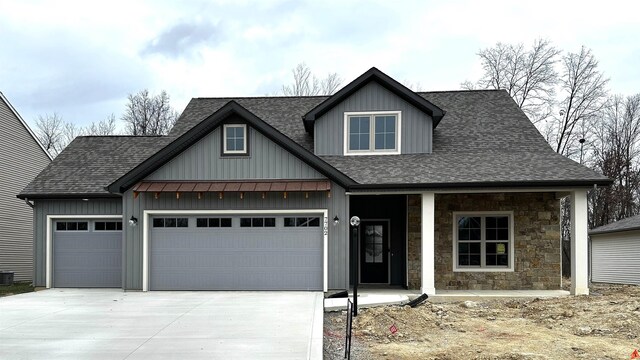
(455, 190)
(22, 157)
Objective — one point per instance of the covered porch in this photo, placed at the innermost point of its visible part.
(419, 242)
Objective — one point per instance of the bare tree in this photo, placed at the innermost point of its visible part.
(616, 155)
(149, 114)
(583, 88)
(330, 84)
(529, 76)
(307, 84)
(413, 86)
(49, 130)
(102, 127)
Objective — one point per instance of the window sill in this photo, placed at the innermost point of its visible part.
(372, 153)
(483, 270)
(235, 155)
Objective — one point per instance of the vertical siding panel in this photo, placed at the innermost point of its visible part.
(416, 125)
(336, 205)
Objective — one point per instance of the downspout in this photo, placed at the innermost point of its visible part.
(31, 205)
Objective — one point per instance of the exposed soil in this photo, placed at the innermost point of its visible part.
(604, 325)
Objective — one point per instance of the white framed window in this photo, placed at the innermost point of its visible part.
(234, 139)
(372, 133)
(483, 241)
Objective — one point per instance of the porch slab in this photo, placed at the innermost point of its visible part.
(479, 295)
(382, 297)
(365, 301)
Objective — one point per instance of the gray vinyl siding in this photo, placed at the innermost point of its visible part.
(64, 207)
(336, 205)
(266, 160)
(615, 258)
(416, 129)
(21, 159)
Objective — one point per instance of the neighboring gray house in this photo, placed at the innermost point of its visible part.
(456, 190)
(615, 252)
(22, 157)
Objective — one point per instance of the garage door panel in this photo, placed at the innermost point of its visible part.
(614, 259)
(234, 279)
(273, 258)
(87, 259)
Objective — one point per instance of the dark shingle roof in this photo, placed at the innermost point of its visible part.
(283, 113)
(484, 138)
(90, 163)
(630, 223)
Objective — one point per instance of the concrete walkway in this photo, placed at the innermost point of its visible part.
(112, 324)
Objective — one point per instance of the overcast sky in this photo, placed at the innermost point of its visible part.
(81, 59)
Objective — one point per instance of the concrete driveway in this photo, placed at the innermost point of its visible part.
(112, 324)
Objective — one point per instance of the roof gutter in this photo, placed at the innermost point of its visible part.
(476, 185)
(613, 231)
(67, 196)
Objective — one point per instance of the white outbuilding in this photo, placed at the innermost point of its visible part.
(615, 252)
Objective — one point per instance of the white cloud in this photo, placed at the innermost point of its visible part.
(82, 58)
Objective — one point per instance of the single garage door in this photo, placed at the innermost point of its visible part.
(87, 253)
(236, 253)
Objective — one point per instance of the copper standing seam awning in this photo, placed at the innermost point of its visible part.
(232, 186)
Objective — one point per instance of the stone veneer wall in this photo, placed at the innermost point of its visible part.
(414, 234)
(537, 241)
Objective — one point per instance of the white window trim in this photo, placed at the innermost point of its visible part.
(454, 241)
(224, 137)
(347, 152)
(146, 229)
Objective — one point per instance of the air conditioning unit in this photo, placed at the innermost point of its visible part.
(6, 278)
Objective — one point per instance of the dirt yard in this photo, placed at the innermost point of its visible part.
(604, 325)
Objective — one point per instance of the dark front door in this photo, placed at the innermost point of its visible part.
(374, 251)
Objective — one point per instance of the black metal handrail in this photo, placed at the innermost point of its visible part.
(347, 340)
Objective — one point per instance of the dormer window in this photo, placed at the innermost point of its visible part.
(372, 133)
(234, 139)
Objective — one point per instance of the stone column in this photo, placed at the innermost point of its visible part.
(579, 244)
(428, 240)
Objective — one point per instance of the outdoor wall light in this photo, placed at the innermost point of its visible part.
(336, 220)
(133, 221)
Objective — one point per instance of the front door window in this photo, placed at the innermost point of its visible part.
(373, 242)
(374, 252)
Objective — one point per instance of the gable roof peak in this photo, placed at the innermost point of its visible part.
(206, 126)
(375, 75)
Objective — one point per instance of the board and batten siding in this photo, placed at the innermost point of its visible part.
(337, 205)
(416, 132)
(21, 159)
(266, 160)
(615, 257)
(81, 208)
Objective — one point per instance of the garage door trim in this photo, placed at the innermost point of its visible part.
(49, 239)
(148, 213)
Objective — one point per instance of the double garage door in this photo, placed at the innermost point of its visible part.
(256, 252)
